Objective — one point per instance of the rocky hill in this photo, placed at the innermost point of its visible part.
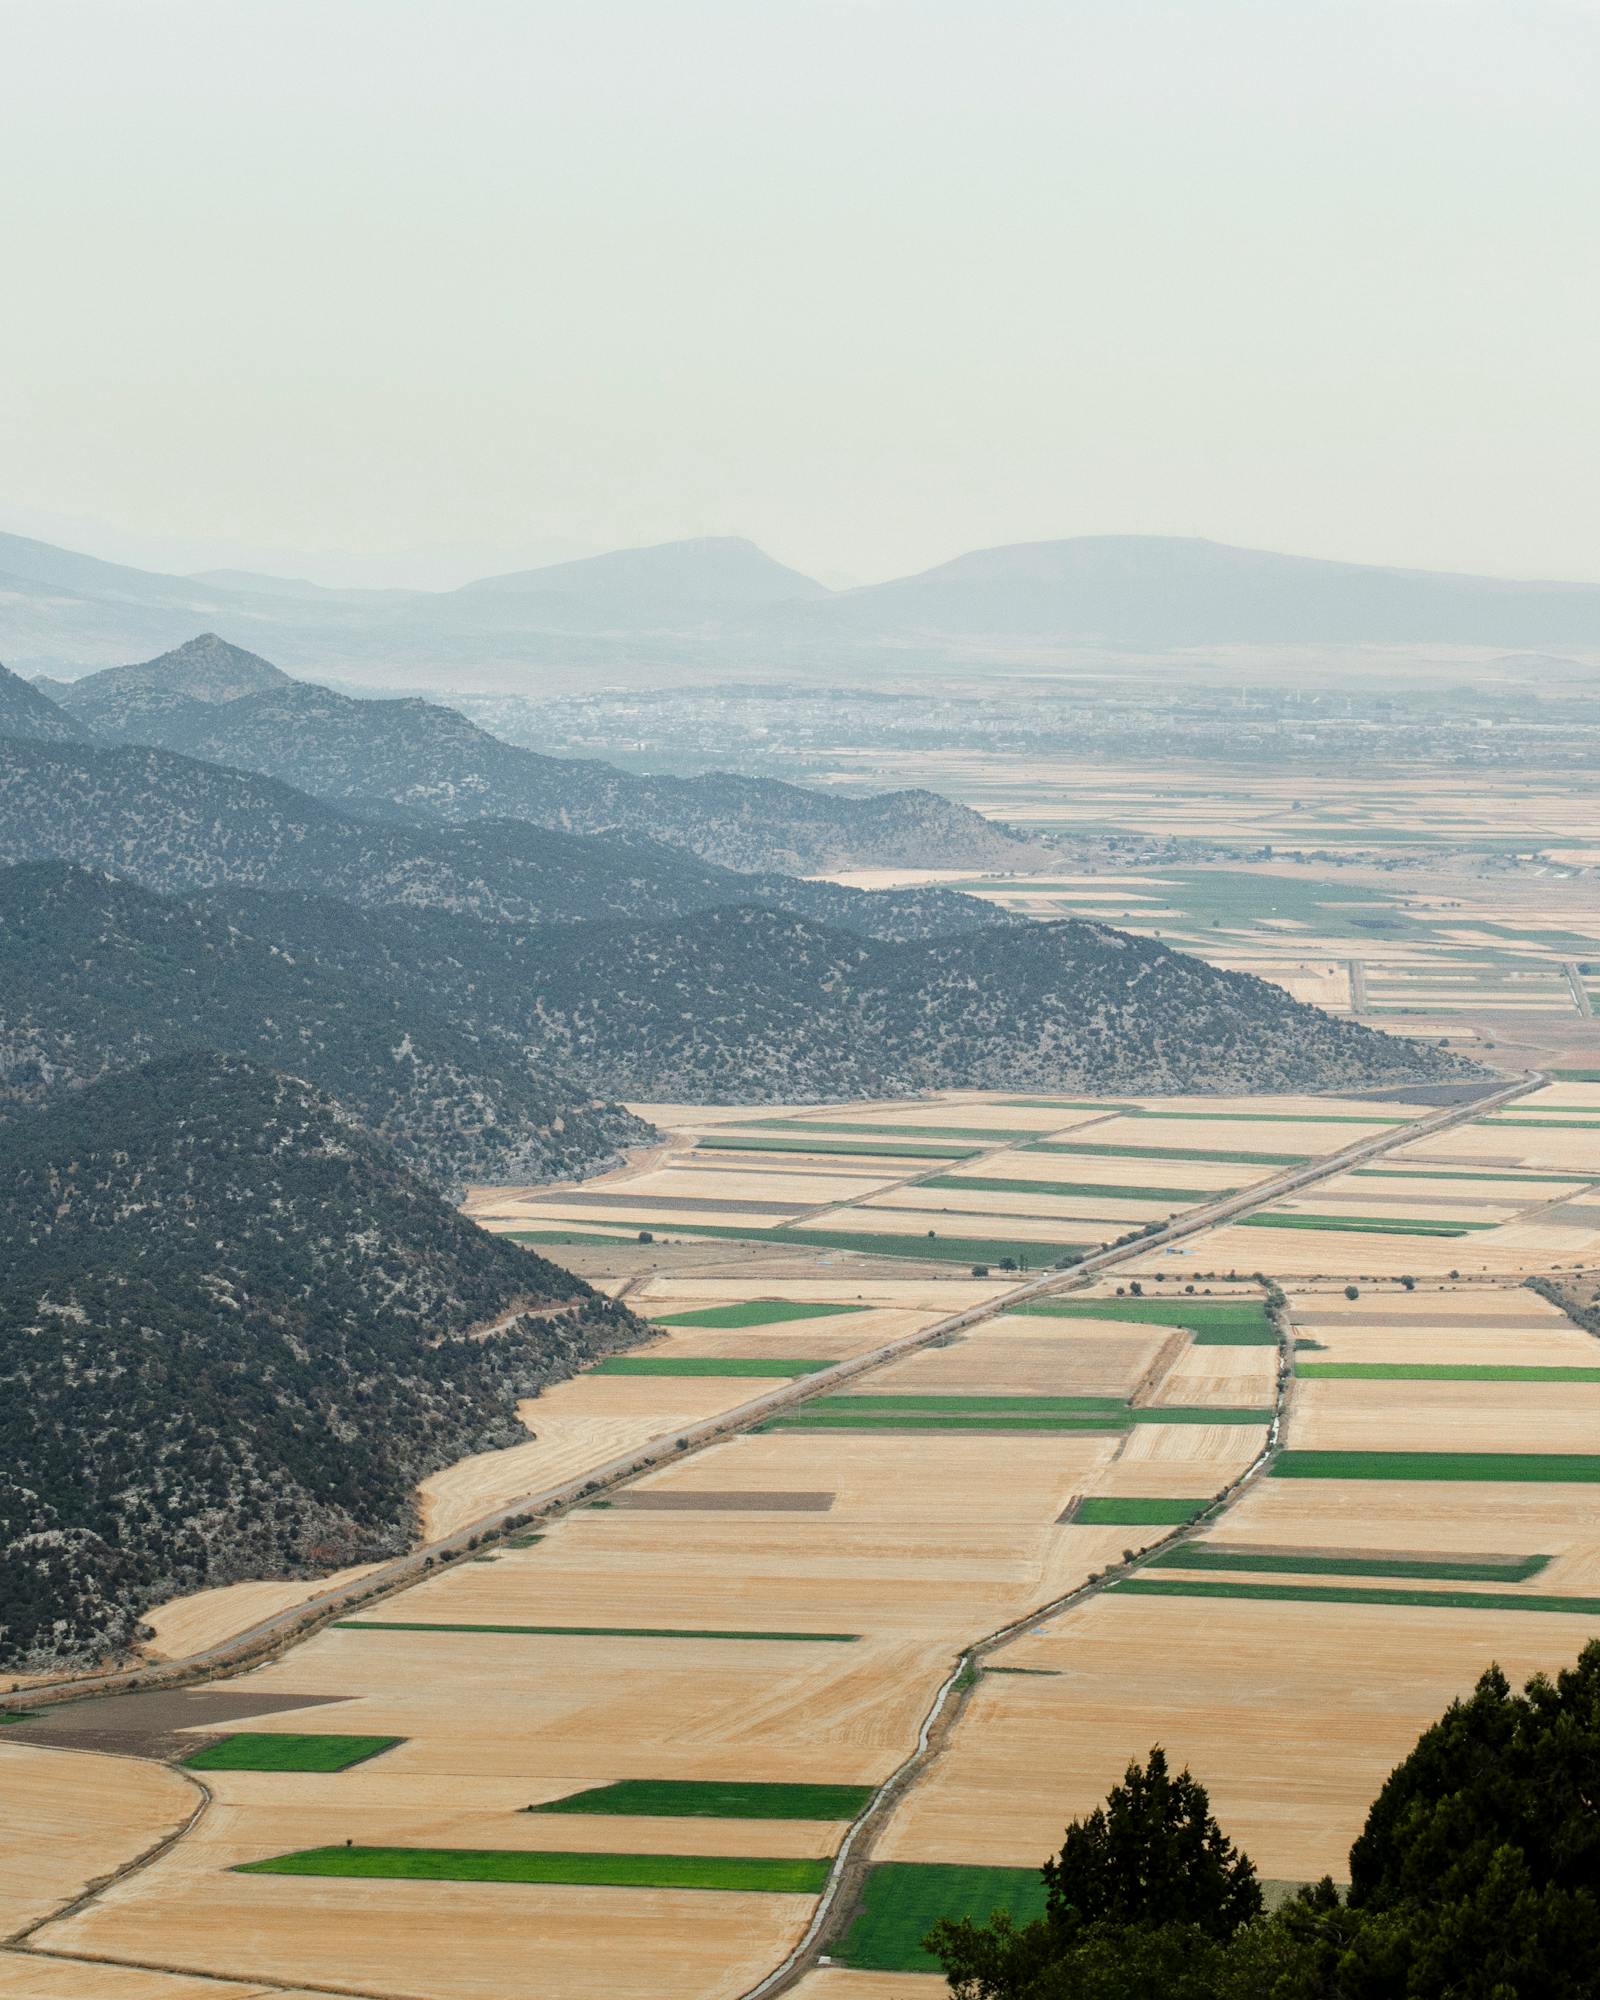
(742, 1004)
(179, 825)
(206, 670)
(234, 1333)
(25, 711)
(97, 974)
(212, 701)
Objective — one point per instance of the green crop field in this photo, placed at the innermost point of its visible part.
(888, 1149)
(1443, 1371)
(1131, 1511)
(1576, 1075)
(1085, 1190)
(253, 1750)
(1207, 1555)
(901, 1901)
(1214, 1323)
(807, 1419)
(594, 1631)
(1332, 1593)
(1006, 1406)
(707, 1364)
(777, 1874)
(1197, 1414)
(1361, 1225)
(1229, 1158)
(756, 1312)
(713, 1798)
(946, 1249)
(1557, 1467)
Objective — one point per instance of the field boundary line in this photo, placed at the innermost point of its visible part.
(253, 1984)
(853, 1858)
(270, 1637)
(93, 1891)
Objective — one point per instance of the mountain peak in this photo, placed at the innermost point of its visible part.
(206, 668)
(28, 711)
(704, 575)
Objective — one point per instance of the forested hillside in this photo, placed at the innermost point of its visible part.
(97, 974)
(24, 711)
(177, 825)
(234, 1333)
(744, 1003)
(242, 711)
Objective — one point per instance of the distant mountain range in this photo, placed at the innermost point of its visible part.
(719, 605)
(212, 700)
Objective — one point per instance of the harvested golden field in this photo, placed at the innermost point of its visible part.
(1108, 1170)
(837, 1982)
(1445, 1416)
(1018, 1355)
(929, 1541)
(576, 1424)
(1235, 1377)
(1292, 1715)
(444, 1938)
(1458, 1519)
(1106, 1214)
(190, 1624)
(26, 1976)
(1293, 1254)
(72, 1816)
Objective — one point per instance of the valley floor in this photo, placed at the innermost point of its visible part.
(1278, 1550)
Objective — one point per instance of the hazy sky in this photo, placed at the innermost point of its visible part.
(472, 282)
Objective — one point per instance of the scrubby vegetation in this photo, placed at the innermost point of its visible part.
(97, 974)
(1476, 1877)
(433, 759)
(234, 1333)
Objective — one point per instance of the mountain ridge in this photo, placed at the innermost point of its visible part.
(417, 753)
(179, 824)
(1138, 591)
(234, 1334)
(98, 975)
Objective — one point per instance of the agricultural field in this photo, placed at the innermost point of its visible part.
(631, 1739)
(777, 1661)
(1434, 903)
(1516, 1190)
(1011, 1183)
(1376, 1598)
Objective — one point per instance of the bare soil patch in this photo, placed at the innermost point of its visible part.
(149, 1725)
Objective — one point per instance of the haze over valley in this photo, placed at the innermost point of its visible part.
(799, 1002)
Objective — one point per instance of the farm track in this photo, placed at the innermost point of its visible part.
(271, 1637)
(841, 1895)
